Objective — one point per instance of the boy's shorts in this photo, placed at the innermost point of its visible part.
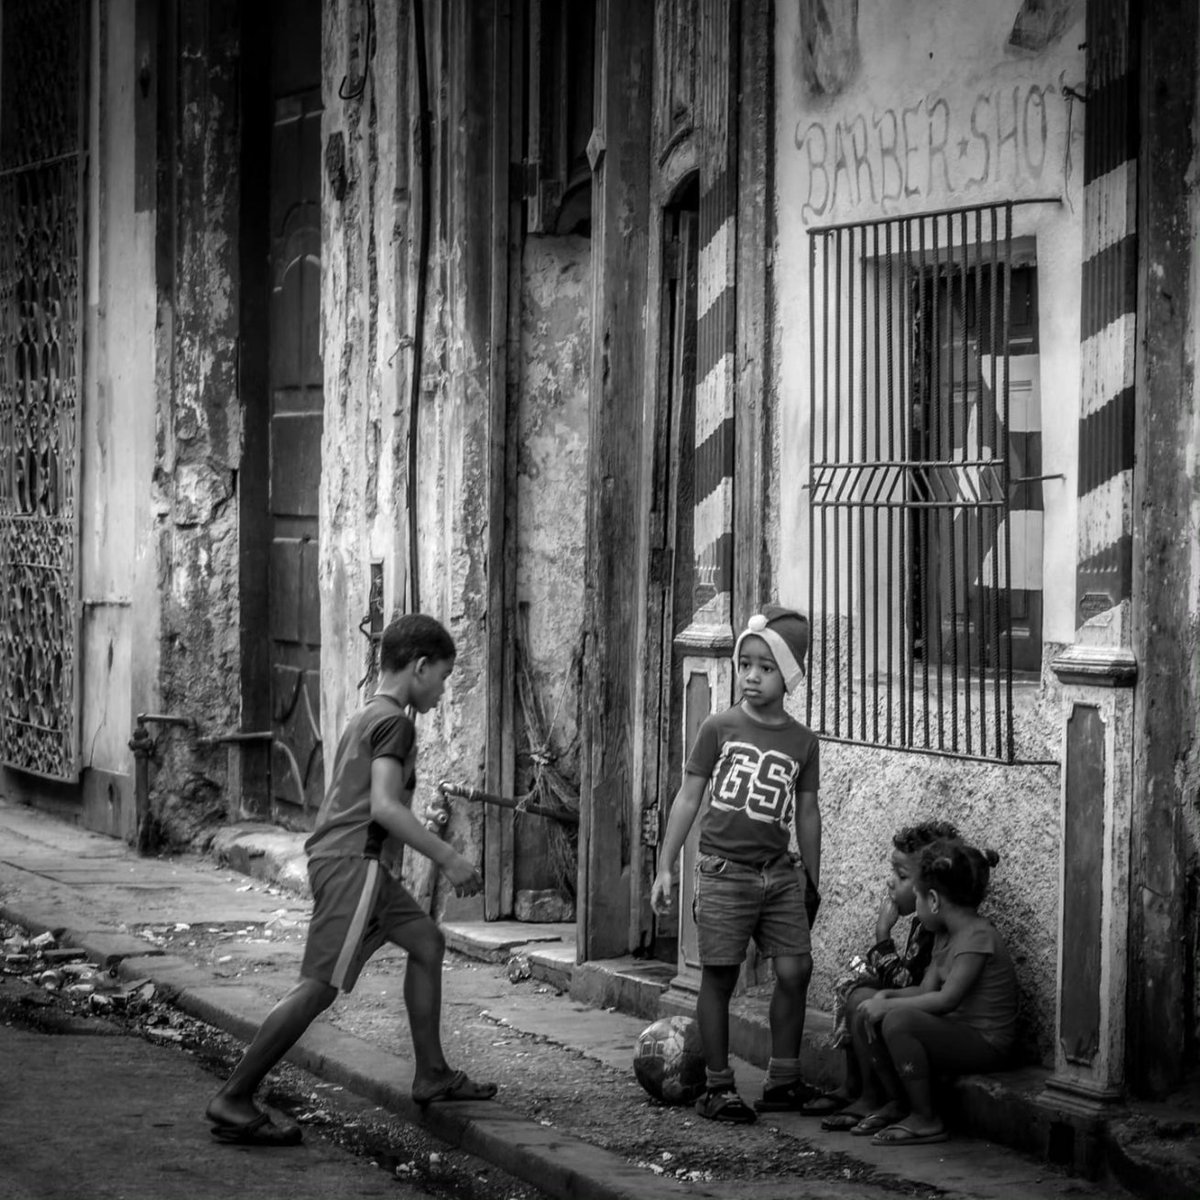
(736, 902)
(357, 906)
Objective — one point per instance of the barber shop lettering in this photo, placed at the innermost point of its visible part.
(937, 147)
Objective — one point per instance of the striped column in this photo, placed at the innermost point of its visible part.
(1109, 303)
(715, 312)
(708, 640)
(1099, 670)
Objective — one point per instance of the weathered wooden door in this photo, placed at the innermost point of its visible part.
(672, 558)
(296, 400)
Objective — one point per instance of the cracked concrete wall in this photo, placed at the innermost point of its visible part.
(370, 240)
(552, 437)
(198, 422)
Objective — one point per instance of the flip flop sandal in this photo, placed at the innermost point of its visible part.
(842, 1122)
(261, 1131)
(725, 1105)
(870, 1124)
(460, 1086)
(786, 1097)
(824, 1104)
(898, 1134)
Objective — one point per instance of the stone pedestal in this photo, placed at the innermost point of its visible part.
(1096, 808)
(707, 688)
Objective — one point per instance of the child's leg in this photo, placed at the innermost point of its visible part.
(788, 1003)
(720, 1101)
(426, 948)
(917, 1044)
(234, 1103)
(712, 1015)
(433, 1077)
(858, 1068)
(874, 1092)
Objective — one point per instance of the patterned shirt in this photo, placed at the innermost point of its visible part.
(754, 773)
(895, 968)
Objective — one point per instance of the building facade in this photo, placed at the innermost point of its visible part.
(589, 328)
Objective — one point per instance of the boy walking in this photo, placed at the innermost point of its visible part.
(357, 905)
(761, 767)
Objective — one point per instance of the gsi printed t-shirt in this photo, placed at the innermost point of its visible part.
(754, 772)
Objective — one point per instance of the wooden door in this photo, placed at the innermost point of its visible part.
(296, 404)
(672, 558)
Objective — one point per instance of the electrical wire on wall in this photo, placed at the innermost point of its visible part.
(424, 162)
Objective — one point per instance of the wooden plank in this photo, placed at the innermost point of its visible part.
(502, 468)
(1162, 922)
(620, 247)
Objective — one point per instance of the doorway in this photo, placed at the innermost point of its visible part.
(283, 388)
(672, 559)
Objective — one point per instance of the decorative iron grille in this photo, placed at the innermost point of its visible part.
(921, 481)
(41, 207)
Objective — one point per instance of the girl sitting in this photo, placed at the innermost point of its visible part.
(961, 1019)
(892, 962)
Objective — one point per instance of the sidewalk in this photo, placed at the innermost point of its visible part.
(225, 942)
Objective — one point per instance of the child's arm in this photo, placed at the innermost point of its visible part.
(684, 808)
(387, 786)
(808, 834)
(930, 997)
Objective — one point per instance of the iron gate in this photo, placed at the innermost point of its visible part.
(917, 476)
(41, 242)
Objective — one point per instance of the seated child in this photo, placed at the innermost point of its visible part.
(886, 966)
(962, 1018)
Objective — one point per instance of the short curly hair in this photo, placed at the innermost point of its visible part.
(959, 872)
(912, 838)
(413, 636)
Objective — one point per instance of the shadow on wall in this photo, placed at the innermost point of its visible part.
(1011, 913)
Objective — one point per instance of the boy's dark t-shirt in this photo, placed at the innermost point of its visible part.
(344, 827)
(754, 772)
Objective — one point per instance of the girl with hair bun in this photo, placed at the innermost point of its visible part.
(963, 1016)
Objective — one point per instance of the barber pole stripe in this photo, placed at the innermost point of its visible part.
(716, 326)
(1108, 315)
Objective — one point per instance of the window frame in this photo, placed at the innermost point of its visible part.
(867, 684)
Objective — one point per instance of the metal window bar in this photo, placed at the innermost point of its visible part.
(909, 481)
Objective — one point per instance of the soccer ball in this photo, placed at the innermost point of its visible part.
(669, 1062)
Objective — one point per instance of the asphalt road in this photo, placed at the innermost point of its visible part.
(88, 1110)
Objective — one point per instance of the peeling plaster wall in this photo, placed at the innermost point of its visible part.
(552, 435)
(935, 74)
(369, 279)
(349, 332)
(198, 425)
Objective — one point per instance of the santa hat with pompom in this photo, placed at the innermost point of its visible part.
(786, 633)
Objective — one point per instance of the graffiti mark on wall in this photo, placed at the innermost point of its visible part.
(1007, 139)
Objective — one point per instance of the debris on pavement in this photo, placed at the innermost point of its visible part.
(519, 967)
(89, 988)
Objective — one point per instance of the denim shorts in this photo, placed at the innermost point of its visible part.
(736, 902)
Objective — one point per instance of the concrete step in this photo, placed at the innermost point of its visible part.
(1008, 1107)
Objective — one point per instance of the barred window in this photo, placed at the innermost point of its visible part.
(925, 522)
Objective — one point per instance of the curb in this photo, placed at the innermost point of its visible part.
(556, 1162)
